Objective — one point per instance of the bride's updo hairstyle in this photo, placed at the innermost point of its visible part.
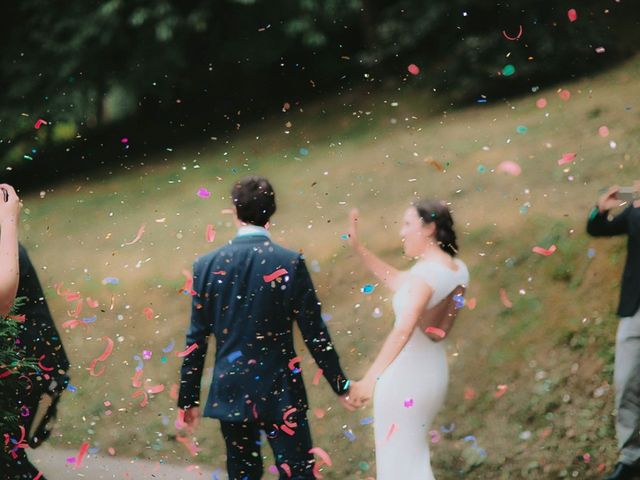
(434, 211)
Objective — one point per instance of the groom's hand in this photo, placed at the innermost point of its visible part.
(346, 402)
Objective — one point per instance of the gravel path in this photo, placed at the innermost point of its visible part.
(53, 464)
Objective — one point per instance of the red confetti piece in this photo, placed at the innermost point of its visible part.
(6, 373)
(71, 324)
(145, 400)
(254, 410)
(220, 272)
(92, 303)
(325, 458)
(319, 412)
(272, 276)
(292, 365)
(107, 351)
(517, 37)
(505, 300)
(286, 414)
(502, 389)
(210, 234)
(188, 284)
(572, 14)
(438, 332)
(155, 389)
(564, 94)
(38, 476)
(148, 313)
(543, 251)
(566, 158)
(413, 69)
(603, 131)
(469, 393)
(42, 367)
(471, 303)
(39, 123)
(138, 236)
(287, 469)
(83, 451)
(317, 376)
(17, 318)
(287, 430)
(186, 352)
(136, 380)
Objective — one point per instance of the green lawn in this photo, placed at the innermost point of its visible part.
(553, 349)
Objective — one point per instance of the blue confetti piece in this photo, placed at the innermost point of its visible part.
(89, 319)
(482, 100)
(110, 281)
(214, 475)
(326, 317)
(368, 288)
(304, 152)
(349, 434)
(232, 357)
(448, 429)
(344, 236)
(366, 421)
(169, 347)
(459, 301)
(140, 363)
(71, 388)
(591, 253)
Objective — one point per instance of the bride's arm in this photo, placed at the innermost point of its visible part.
(390, 276)
(418, 295)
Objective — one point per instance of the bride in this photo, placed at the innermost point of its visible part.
(410, 373)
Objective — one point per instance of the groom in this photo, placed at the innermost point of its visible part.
(248, 294)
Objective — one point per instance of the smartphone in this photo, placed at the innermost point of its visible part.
(627, 194)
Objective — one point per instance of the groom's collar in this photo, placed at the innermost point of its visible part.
(252, 231)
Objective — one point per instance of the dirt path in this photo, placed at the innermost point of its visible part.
(53, 464)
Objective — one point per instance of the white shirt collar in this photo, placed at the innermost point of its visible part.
(253, 231)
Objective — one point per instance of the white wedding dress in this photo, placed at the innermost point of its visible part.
(410, 392)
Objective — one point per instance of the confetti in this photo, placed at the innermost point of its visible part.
(292, 365)
(272, 276)
(435, 436)
(349, 434)
(92, 303)
(187, 351)
(148, 313)
(505, 300)
(232, 357)
(413, 69)
(107, 351)
(146, 354)
(600, 50)
(408, 403)
(392, 430)
(458, 300)
(324, 458)
(317, 376)
(304, 152)
(572, 14)
(448, 429)
(543, 251)
(469, 393)
(435, 164)
(517, 37)
(83, 451)
(138, 236)
(210, 233)
(287, 469)
(368, 288)
(508, 70)
(110, 281)
(512, 168)
(169, 347)
(564, 94)
(204, 193)
(502, 389)
(39, 123)
(566, 158)
(603, 131)
(541, 102)
(366, 421)
(521, 129)
(42, 367)
(438, 332)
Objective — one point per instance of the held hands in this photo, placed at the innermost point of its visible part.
(9, 205)
(360, 393)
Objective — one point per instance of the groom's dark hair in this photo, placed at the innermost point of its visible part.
(254, 199)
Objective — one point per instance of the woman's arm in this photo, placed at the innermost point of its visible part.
(390, 276)
(9, 266)
(419, 293)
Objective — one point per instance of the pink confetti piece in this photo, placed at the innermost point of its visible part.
(392, 430)
(510, 167)
(148, 313)
(204, 193)
(408, 403)
(471, 303)
(603, 131)
(286, 414)
(413, 69)
(541, 102)
(286, 468)
(317, 376)
(124, 140)
(505, 300)
(325, 459)
(566, 158)
(138, 236)
(146, 354)
(155, 389)
(543, 251)
(210, 233)
(564, 94)
(435, 436)
(186, 352)
(502, 389)
(600, 50)
(38, 476)
(145, 399)
(39, 123)
(92, 303)
(292, 365)
(572, 14)
(469, 393)
(42, 367)
(272, 276)
(517, 37)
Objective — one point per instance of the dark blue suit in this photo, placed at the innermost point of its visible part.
(252, 321)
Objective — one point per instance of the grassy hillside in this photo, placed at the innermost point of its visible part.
(552, 349)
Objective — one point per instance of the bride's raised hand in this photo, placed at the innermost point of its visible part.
(353, 228)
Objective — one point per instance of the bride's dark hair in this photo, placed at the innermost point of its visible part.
(434, 211)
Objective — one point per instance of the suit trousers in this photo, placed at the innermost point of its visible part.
(244, 461)
(627, 386)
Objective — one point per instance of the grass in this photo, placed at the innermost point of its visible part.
(553, 349)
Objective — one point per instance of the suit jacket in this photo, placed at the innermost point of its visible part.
(252, 321)
(625, 223)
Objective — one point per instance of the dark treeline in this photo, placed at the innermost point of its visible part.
(173, 70)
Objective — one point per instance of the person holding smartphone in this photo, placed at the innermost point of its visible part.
(627, 354)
